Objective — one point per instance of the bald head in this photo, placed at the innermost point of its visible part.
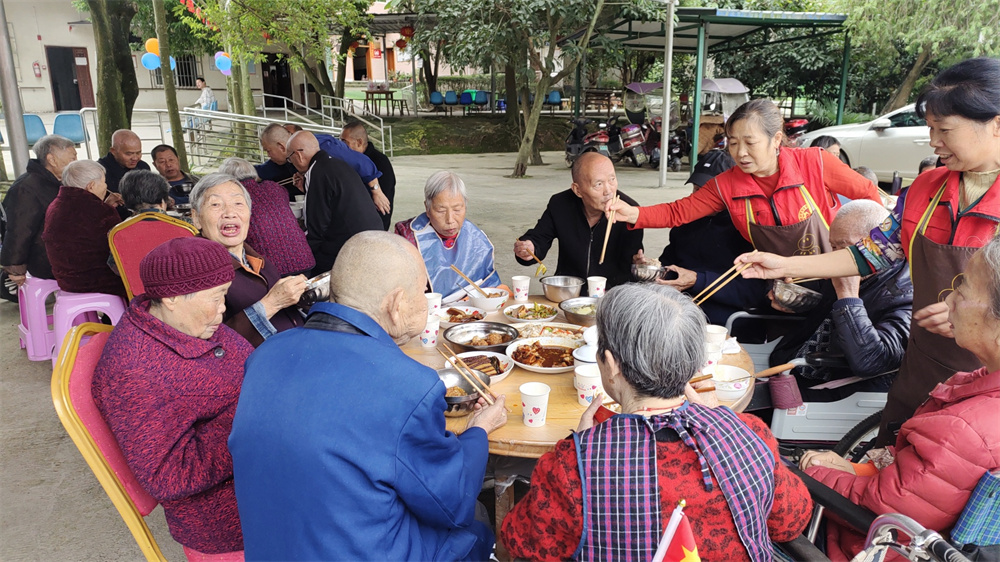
(126, 148)
(584, 163)
(302, 146)
(382, 275)
(854, 221)
(355, 136)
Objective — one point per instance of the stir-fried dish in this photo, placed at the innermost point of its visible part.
(533, 312)
(459, 316)
(537, 355)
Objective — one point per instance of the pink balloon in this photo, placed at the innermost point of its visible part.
(226, 72)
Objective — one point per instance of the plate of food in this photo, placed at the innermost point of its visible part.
(549, 330)
(460, 315)
(544, 355)
(480, 336)
(535, 312)
(495, 365)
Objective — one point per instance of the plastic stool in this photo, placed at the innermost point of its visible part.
(71, 305)
(36, 336)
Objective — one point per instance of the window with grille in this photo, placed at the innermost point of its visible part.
(184, 75)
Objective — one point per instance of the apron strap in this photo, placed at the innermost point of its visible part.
(925, 220)
(750, 220)
(813, 206)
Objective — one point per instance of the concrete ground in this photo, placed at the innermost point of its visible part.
(51, 505)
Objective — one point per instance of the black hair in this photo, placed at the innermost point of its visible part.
(929, 162)
(825, 141)
(160, 148)
(143, 188)
(202, 78)
(969, 89)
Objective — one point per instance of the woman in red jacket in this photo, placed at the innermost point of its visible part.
(938, 223)
(781, 199)
(952, 439)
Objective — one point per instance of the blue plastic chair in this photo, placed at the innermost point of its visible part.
(465, 100)
(553, 100)
(450, 99)
(482, 98)
(70, 125)
(437, 100)
(33, 128)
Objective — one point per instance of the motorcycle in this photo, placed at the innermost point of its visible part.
(794, 129)
(626, 142)
(580, 140)
(677, 146)
(651, 128)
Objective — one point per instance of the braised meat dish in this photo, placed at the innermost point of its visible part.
(538, 355)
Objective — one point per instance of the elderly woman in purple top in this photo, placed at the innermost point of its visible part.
(274, 230)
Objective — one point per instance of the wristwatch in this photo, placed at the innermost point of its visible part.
(373, 187)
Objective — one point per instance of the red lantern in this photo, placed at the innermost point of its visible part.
(407, 31)
(401, 44)
(354, 45)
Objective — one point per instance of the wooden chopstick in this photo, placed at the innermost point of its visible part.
(532, 254)
(704, 389)
(699, 378)
(724, 283)
(468, 379)
(717, 280)
(798, 280)
(607, 231)
(486, 386)
(471, 282)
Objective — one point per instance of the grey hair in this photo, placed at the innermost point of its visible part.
(991, 255)
(48, 144)
(442, 182)
(142, 189)
(210, 181)
(861, 216)
(238, 168)
(79, 173)
(655, 333)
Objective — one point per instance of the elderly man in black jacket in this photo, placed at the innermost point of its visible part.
(869, 322)
(338, 205)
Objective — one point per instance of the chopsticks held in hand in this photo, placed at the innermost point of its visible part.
(482, 388)
(607, 232)
(471, 282)
(798, 280)
(722, 281)
(541, 269)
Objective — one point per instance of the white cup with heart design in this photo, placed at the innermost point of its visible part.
(587, 383)
(429, 337)
(534, 403)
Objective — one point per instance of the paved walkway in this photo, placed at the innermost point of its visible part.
(51, 506)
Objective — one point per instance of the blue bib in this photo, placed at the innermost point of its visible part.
(472, 253)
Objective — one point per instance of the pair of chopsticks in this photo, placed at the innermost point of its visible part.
(722, 281)
(541, 269)
(471, 282)
(798, 280)
(486, 392)
(700, 378)
(607, 232)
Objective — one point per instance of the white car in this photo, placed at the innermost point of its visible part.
(895, 142)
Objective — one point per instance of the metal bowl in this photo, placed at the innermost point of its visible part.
(462, 334)
(317, 290)
(647, 273)
(561, 287)
(567, 307)
(795, 297)
(460, 405)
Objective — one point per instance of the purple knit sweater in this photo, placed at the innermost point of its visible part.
(169, 399)
(274, 232)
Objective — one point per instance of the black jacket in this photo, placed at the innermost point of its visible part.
(387, 182)
(113, 171)
(25, 204)
(338, 206)
(580, 244)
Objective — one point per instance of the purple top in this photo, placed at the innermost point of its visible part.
(274, 232)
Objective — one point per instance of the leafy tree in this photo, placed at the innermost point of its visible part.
(164, 39)
(117, 86)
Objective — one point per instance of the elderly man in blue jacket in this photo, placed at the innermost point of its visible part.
(339, 445)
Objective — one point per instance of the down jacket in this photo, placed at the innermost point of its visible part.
(941, 453)
(26, 202)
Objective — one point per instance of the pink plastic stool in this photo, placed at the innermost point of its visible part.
(36, 336)
(69, 306)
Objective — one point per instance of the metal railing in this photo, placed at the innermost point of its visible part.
(341, 110)
(291, 109)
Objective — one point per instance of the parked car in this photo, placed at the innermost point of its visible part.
(897, 141)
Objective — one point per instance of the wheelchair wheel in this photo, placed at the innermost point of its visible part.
(860, 439)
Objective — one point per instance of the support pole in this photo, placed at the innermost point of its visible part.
(413, 76)
(385, 62)
(668, 74)
(843, 77)
(493, 90)
(577, 109)
(699, 75)
(12, 112)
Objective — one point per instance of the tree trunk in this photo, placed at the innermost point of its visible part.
(510, 92)
(902, 94)
(111, 114)
(176, 133)
(120, 14)
(530, 127)
(345, 47)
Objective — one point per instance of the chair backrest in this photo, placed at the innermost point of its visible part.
(135, 237)
(70, 125)
(450, 98)
(74, 403)
(436, 98)
(465, 98)
(33, 128)
(482, 97)
(555, 98)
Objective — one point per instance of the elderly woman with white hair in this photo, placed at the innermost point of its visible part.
(274, 231)
(76, 232)
(445, 238)
(259, 303)
(664, 446)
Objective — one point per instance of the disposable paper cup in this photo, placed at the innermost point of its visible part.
(433, 303)
(714, 353)
(715, 334)
(587, 383)
(300, 198)
(534, 403)
(429, 337)
(521, 285)
(595, 285)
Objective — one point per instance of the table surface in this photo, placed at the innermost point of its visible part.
(379, 92)
(518, 440)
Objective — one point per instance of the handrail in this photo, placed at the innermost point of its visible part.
(289, 105)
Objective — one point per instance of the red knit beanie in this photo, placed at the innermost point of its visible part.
(182, 266)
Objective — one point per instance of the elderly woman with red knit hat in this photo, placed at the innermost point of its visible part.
(167, 384)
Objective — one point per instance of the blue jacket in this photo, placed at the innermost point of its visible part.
(340, 450)
(331, 145)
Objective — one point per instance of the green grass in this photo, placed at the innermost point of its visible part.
(473, 134)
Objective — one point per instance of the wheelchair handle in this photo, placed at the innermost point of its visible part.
(942, 550)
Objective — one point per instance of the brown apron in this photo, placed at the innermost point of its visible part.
(929, 358)
(804, 238)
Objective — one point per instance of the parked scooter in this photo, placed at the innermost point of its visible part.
(651, 129)
(626, 142)
(794, 129)
(677, 146)
(580, 140)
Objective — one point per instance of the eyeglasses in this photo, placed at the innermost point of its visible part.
(956, 282)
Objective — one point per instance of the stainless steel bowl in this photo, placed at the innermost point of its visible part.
(460, 405)
(462, 334)
(647, 273)
(317, 290)
(567, 307)
(561, 287)
(795, 297)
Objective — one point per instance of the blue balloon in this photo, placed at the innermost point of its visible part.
(173, 64)
(223, 63)
(150, 61)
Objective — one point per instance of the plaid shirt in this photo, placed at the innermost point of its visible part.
(979, 523)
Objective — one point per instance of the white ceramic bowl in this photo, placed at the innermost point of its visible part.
(443, 314)
(731, 383)
(509, 313)
(505, 362)
(585, 355)
(489, 304)
(545, 342)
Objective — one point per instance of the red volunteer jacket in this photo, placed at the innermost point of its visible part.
(976, 226)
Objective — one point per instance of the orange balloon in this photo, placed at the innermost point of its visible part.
(153, 46)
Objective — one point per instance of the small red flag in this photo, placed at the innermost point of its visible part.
(682, 547)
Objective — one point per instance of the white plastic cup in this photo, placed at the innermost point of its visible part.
(715, 334)
(714, 353)
(433, 303)
(521, 285)
(595, 285)
(587, 383)
(429, 337)
(300, 198)
(534, 403)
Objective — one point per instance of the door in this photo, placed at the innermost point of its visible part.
(390, 60)
(62, 72)
(82, 62)
(277, 80)
(361, 63)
